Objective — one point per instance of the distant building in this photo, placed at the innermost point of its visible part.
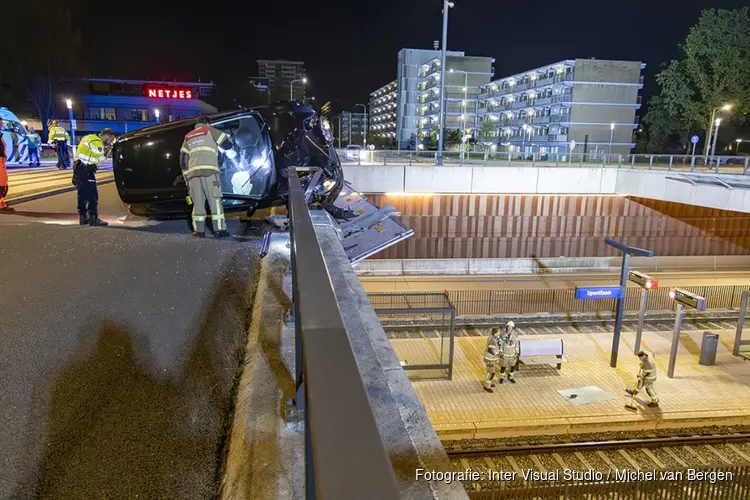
(262, 85)
(126, 105)
(351, 126)
(406, 106)
(586, 100)
(281, 73)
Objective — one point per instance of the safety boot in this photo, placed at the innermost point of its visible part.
(653, 405)
(83, 220)
(199, 235)
(96, 221)
(487, 389)
(223, 233)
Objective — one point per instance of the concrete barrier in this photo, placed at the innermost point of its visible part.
(557, 265)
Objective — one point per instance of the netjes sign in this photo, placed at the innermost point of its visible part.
(169, 92)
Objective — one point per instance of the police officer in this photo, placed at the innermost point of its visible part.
(34, 142)
(199, 159)
(92, 150)
(647, 377)
(59, 138)
(510, 351)
(491, 357)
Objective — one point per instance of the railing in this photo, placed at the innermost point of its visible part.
(735, 165)
(683, 484)
(563, 300)
(344, 453)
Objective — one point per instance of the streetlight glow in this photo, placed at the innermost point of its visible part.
(611, 126)
(726, 107)
(69, 103)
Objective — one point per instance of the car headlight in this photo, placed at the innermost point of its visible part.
(325, 127)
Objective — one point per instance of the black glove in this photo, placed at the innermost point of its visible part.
(74, 180)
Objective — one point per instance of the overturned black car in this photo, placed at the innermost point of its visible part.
(267, 141)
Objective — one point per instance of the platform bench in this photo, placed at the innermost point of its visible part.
(542, 352)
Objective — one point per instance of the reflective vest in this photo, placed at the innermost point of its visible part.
(511, 348)
(201, 147)
(57, 133)
(493, 348)
(91, 150)
(648, 367)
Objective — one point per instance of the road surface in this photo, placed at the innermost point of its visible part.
(119, 350)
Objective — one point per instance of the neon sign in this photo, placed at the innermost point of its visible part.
(169, 92)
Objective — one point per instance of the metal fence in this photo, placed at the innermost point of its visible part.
(737, 165)
(563, 300)
(682, 484)
(344, 451)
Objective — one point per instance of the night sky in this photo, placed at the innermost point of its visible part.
(349, 47)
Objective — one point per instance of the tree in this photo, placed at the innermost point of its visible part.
(714, 70)
(487, 130)
(663, 127)
(37, 61)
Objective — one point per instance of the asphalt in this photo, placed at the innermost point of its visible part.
(120, 348)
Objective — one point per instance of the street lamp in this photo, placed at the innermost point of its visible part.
(291, 87)
(725, 107)
(156, 114)
(441, 129)
(716, 134)
(364, 121)
(737, 151)
(611, 136)
(69, 104)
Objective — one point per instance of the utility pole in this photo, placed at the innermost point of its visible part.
(441, 128)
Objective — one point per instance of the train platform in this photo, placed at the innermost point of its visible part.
(697, 396)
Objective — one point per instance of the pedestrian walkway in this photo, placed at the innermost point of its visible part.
(696, 396)
(26, 182)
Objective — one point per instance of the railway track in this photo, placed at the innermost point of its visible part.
(605, 457)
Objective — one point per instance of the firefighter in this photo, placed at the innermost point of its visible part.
(647, 377)
(59, 138)
(3, 172)
(199, 159)
(509, 352)
(34, 142)
(92, 150)
(491, 357)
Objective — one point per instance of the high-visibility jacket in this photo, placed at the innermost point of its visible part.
(57, 133)
(648, 367)
(510, 345)
(91, 150)
(493, 348)
(199, 155)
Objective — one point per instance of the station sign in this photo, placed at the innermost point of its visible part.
(598, 292)
(643, 280)
(165, 92)
(688, 299)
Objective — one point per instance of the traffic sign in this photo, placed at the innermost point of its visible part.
(598, 292)
(695, 139)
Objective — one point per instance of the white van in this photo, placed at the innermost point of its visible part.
(14, 135)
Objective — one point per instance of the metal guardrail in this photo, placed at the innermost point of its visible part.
(667, 483)
(563, 300)
(737, 165)
(344, 452)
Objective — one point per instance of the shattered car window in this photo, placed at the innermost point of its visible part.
(249, 171)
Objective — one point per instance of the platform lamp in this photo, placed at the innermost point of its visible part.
(69, 104)
(156, 114)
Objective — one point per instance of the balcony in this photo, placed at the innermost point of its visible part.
(559, 118)
(541, 101)
(558, 137)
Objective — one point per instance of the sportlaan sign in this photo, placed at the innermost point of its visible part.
(598, 292)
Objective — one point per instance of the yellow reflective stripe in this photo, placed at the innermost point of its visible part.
(185, 150)
(221, 138)
(203, 148)
(199, 218)
(202, 167)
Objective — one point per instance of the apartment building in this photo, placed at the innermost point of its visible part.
(464, 78)
(281, 73)
(396, 108)
(351, 126)
(590, 101)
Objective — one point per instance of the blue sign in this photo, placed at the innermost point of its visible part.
(598, 292)
(695, 139)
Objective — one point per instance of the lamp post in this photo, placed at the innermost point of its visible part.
(441, 128)
(611, 136)
(737, 150)
(69, 104)
(156, 114)
(523, 142)
(716, 134)
(291, 87)
(725, 107)
(364, 122)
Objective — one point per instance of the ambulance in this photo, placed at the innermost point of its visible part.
(14, 136)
